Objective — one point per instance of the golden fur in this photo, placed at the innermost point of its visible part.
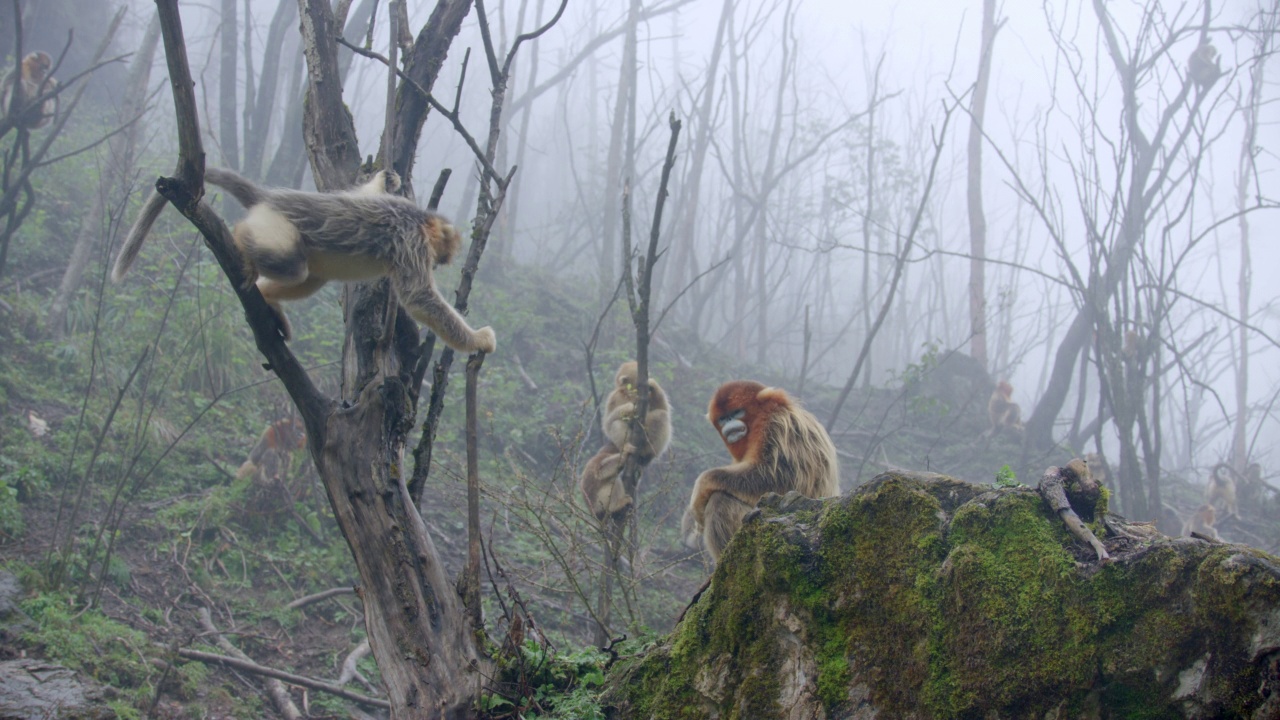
(271, 454)
(1201, 522)
(1221, 489)
(293, 242)
(34, 82)
(620, 408)
(601, 482)
(777, 446)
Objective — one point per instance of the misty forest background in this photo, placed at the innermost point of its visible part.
(882, 210)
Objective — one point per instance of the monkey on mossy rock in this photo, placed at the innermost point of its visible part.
(293, 242)
(776, 446)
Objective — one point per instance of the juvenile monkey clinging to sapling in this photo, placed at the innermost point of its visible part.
(294, 242)
(600, 481)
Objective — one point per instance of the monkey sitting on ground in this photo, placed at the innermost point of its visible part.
(1002, 411)
(271, 455)
(1201, 523)
(601, 482)
(1222, 490)
(293, 242)
(776, 446)
(35, 82)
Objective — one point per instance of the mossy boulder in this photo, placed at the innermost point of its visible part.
(919, 596)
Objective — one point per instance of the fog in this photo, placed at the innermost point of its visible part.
(781, 226)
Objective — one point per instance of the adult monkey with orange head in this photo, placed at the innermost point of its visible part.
(776, 446)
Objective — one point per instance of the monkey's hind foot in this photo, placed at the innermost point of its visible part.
(486, 340)
(282, 321)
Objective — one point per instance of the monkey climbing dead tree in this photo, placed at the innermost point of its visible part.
(425, 646)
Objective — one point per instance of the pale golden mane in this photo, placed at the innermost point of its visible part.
(803, 441)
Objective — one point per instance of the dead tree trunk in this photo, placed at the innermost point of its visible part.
(1150, 159)
(427, 653)
(228, 127)
(977, 218)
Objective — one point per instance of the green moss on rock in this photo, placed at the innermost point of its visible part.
(919, 595)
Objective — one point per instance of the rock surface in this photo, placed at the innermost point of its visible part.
(919, 596)
(31, 689)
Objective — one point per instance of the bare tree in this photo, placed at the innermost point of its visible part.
(117, 178)
(1153, 158)
(19, 160)
(1246, 177)
(419, 632)
(977, 218)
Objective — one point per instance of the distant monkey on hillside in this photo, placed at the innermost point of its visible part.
(1221, 489)
(1098, 468)
(293, 242)
(1201, 523)
(271, 455)
(1002, 411)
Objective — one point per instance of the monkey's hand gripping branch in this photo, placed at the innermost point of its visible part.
(1052, 490)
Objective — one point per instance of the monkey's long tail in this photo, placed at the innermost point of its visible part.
(241, 188)
(133, 242)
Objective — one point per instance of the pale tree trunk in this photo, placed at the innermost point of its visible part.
(687, 215)
(786, 71)
(115, 180)
(289, 162)
(1245, 177)
(977, 218)
(868, 214)
(228, 133)
(257, 126)
(506, 249)
(611, 202)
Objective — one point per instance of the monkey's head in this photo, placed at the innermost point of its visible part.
(37, 65)
(1096, 465)
(290, 433)
(740, 412)
(1005, 389)
(1219, 476)
(444, 239)
(628, 378)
